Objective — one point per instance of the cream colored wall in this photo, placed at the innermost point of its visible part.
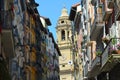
(64, 60)
(67, 77)
(64, 47)
(66, 54)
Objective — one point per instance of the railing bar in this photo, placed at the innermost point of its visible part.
(109, 44)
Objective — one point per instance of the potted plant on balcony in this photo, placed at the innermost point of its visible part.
(115, 49)
(98, 53)
(118, 48)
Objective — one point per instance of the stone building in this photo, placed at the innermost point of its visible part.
(63, 30)
(27, 48)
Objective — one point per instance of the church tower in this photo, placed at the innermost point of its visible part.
(63, 30)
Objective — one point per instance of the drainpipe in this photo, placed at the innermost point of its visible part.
(73, 54)
(88, 30)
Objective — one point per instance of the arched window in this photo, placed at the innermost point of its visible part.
(68, 34)
(62, 35)
(62, 21)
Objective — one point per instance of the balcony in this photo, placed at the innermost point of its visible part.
(117, 10)
(109, 58)
(97, 26)
(110, 3)
(86, 69)
(106, 11)
(95, 67)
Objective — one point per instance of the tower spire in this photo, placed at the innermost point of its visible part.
(64, 6)
(64, 11)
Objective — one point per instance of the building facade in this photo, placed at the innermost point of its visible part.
(98, 26)
(27, 48)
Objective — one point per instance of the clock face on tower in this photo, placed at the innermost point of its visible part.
(63, 58)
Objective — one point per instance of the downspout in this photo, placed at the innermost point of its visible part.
(88, 31)
(73, 54)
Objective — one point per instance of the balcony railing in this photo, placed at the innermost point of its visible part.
(95, 67)
(86, 69)
(95, 62)
(110, 56)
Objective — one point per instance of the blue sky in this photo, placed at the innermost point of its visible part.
(52, 10)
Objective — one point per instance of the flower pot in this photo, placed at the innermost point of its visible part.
(115, 52)
(118, 51)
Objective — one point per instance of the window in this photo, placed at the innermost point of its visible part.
(62, 35)
(63, 65)
(62, 21)
(68, 34)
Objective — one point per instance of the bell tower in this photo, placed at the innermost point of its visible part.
(63, 30)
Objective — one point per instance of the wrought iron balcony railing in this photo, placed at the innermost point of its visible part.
(86, 69)
(110, 55)
(95, 66)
